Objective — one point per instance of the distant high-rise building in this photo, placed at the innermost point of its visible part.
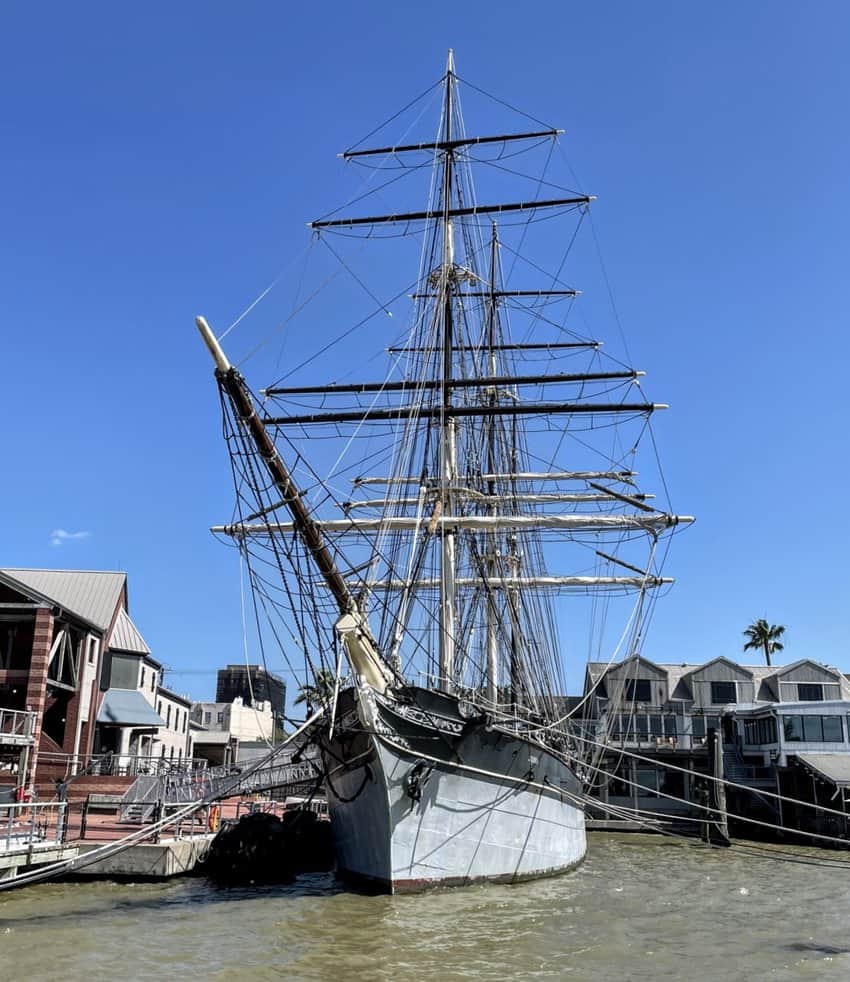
(251, 680)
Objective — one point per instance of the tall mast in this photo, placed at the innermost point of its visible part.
(492, 468)
(448, 444)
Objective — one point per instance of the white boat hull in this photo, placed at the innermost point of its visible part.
(483, 804)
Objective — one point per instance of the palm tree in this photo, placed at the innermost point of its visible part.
(765, 636)
(321, 692)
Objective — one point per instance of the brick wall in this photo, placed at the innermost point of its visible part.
(37, 679)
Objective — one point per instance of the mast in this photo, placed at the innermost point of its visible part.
(492, 467)
(478, 529)
(448, 426)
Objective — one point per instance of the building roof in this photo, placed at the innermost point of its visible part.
(726, 661)
(678, 681)
(92, 595)
(834, 767)
(212, 736)
(125, 636)
(168, 694)
(127, 707)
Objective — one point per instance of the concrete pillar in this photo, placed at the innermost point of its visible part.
(37, 680)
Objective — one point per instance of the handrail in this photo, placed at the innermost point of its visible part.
(123, 765)
(17, 722)
(24, 824)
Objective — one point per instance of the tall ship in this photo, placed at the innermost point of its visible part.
(421, 544)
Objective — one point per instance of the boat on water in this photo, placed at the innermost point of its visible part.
(431, 614)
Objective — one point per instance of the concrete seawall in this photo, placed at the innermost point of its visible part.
(148, 860)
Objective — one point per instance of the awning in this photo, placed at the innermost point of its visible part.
(127, 707)
(834, 768)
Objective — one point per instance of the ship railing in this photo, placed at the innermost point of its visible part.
(25, 825)
(503, 710)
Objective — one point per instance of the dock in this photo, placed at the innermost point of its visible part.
(148, 860)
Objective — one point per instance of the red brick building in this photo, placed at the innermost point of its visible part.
(58, 630)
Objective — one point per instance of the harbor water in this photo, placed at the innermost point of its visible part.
(640, 907)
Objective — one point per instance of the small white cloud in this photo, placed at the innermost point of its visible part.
(59, 537)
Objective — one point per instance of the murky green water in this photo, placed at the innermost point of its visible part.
(639, 908)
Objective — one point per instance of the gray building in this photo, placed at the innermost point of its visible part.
(664, 712)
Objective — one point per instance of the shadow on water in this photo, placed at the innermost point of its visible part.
(186, 892)
(821, 949)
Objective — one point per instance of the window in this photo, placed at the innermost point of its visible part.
(698, 726)
(757, 731)
(813, 729)
(793, 726)
(619, 785)
(159, 707)
(832, 731)
(723, 692)
(810, 692)
(185, 715)
(153, 681)
(207, 718)
(655, 725)
(220, 719)
(142, 685)
(670, 728)
(638, 690)
(168, 715)
(641, 726)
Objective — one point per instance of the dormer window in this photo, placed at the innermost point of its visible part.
(723, 692)
(638, 690)
(810, 692)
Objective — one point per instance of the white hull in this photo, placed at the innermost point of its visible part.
(500, 809)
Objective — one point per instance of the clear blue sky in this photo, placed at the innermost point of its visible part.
(160, 160)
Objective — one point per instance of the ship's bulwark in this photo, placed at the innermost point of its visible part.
(411, 808)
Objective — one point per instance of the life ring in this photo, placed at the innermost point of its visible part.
(214, 818)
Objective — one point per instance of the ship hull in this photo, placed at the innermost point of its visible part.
(420, 796)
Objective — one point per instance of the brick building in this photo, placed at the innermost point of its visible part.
(71, 655)
(55, 627)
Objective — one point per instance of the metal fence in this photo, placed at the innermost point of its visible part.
(121, 765)
(24, 825)
(16, 726)
(105, 821)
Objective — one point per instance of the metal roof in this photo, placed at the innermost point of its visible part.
(834, 767)
(92, 595)
(125, 636)
(127, 707)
